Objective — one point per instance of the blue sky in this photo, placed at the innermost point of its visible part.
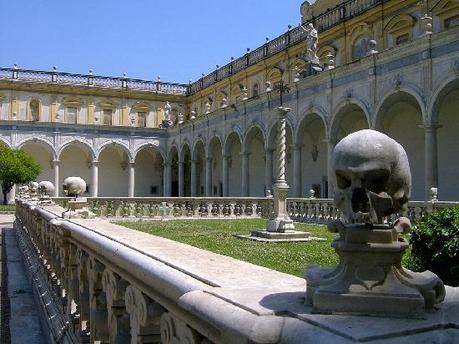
(176, 39)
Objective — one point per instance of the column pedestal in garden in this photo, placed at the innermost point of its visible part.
(280, 227)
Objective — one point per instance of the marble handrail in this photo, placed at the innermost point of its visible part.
(306, 210)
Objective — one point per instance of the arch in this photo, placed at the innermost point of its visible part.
(44, 142)
(116, 144)
(358, 39)
(312, 111)
(444, 125)
(271, 137)
(233, 136)
(400, 116)
(443, 88)
(78, 143)
(343, 107)
(251, 133)
(215, 139)
(197, 145)
(43, 154)
(184, 149)
(5, 142)
(399, 93)
(149, 171)
(398, 30)
(274, 75)
(149, 145)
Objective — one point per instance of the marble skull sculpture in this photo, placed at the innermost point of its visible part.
(373, 178)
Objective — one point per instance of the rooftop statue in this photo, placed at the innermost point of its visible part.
(312, 39)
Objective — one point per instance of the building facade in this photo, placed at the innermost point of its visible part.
(391, 65)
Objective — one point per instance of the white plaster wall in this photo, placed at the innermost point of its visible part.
(256, 168)
(234, 170)
(74, 163)
(402, 122)
(448, 148)
(113, 180)
(43, 157)
(148, 173)
(313, 172)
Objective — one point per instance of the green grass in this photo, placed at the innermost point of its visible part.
(218, 236)
(9, 208)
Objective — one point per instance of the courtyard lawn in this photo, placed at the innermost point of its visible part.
(7, 209)
(218, 236)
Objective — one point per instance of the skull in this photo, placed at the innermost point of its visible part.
(373, 178)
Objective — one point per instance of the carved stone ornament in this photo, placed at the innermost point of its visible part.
(373, 180)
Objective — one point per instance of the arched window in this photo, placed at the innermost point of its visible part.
(71, 115)
(141, 119)
(34, 108)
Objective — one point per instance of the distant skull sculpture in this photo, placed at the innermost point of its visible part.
(74, 186)
(373, 178)
(46, 188)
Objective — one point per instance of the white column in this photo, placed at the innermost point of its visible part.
(11, 196)
(131, 174)
(193, 178)
(56, 164)
(209, 177)
(95, 178)
(269, 170)
(431, 158)
(181, 176)
(225, 175)
(296, 171)
(245, 174)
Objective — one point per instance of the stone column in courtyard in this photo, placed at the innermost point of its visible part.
(330, 172)
(431, 158)
(131, 184)
(56, 164)
(167, 179)
(296, 171)
(193, 180)
(209, 177)
(95, 178)
(281, 222)
(269, 169)
(225, 174)
(181, 175)
(245, 174)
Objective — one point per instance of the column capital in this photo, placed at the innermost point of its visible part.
(56, 162)
(94, 162)
(431, 126)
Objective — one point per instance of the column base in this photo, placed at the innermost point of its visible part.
(280, 225)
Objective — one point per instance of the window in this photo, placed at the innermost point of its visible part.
(107, 117)
(255, 90)
(402, 39)
(34, 110)
(360, 48)
(71, 115)
(452, 22)
(141, 119)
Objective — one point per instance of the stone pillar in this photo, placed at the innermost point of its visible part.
(209, 177)
(131, 182)
(181, 178)
(167, 179)
(431, 159)
(245, 174)
(281, 221)
(269, 169)
(297, 171)
(95, 178)
(330, 172)
(56, 164)
(193, 178)
(11, 196)
(225, 175)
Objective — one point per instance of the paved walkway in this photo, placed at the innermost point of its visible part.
(23, 316)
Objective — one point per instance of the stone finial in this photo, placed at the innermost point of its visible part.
(207, 108)
(426, 20)
(45, 191)
(244, 93)
(224, 103)
(373, 180)
(312, 193)
(296, 74)
(269, 86)
(433, 195)
(330, 61)
(193, 115)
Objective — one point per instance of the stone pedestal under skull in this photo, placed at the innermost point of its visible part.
(372, 181)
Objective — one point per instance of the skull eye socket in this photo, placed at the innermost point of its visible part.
(376, 180)
(342, 181)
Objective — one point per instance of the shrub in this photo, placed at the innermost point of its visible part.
(435, 245)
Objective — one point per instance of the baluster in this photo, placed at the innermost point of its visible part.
(97, 302)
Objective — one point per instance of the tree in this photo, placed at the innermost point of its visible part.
(16, 167)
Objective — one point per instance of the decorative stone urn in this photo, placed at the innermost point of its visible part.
(33, 191)
(45, 191)
(78, 206)
(372, 181)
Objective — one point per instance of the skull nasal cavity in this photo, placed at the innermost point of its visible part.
(360, 201)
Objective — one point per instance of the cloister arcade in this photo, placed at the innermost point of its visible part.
(242, 163)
